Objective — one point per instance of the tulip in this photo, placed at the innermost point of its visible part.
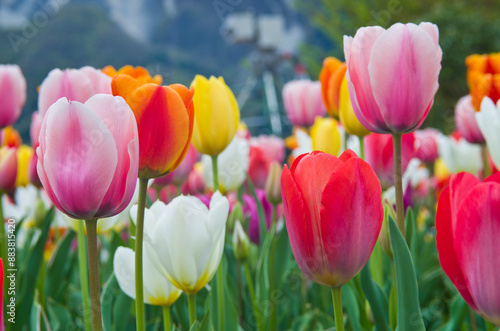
(273, 187)
(273, 147)
(379, 155)
(483, 77)
(467, 226)
(73, 84)
(263, 151)
(87, 158)
(393, 75)
(35, 126)
(24, 156)
(251, 211)
(195, 183)
(186, 225)
(232, 166)
(12, 94)
(11, 137)
(465, 121)
(333, 214)
(8, 169)
(459, 155)
(426, 144)
(217, 115)
(139, 73)
(330, 77)
(241, 243)
(180, 175)
(325, 136)
(303, 101)
(347, 116)
(488, 120)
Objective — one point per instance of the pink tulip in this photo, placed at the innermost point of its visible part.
(303, 101)
(426, 143)
(88, 156)
(273, 147)
(380, 156)
(12, 94)
(195, 184)
(393, 75)
(8, 169)
(73, 84)
(180, 175)
(35, 126)
(465, 121)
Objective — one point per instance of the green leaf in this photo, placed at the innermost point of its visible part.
(59, 316)
(411, 232)
(58, 267)
(458, 311)
(409, 314)
(377, 300)
(262, 286)
(351, 306)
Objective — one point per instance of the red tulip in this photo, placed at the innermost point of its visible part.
(467, 225)
(380, 155)
(333, 214)
(12, 94)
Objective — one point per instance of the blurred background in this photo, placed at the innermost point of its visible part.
(256, 45)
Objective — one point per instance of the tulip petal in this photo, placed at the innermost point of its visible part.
(408, 55)
(81, 175)
(488, 121)
(478, 225)
(124, 86)
(124, 269)
(351, 214)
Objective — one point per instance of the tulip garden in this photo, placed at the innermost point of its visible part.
(146, 206)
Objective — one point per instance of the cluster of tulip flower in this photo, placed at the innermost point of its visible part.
(185, 200)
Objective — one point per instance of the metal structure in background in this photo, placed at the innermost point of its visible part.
(266, 33)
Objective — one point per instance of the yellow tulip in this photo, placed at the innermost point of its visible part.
(24, 155)
(325, 136)
(217, 115)
(347, 117)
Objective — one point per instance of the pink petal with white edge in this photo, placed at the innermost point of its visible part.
(101, 82)
(404, 69)
(118, 118)
(79, 158)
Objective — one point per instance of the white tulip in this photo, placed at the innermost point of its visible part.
(460, 155)
(488, 120)
(189, 240)
(232, 165)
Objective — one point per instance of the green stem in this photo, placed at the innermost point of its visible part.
(166, 318)
(486, 161)
(251, 291)
(398, 183)
(240, 296)
(95, 296)
(361, 147)
(272, 278)
(84, 281)
(192, 308)
(139, 231)
(337, 308)
(215, 172)
(275, 215)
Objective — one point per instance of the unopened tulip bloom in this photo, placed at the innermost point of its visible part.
(465, 121)
(8, 169)
(426, 144)
(393, 75)
(12, 94)
(380, 155)
(188, 226)
(488, 120)
(88, 156)
(241, 243)
(303, 101)
(325, 135)
(330, 77)
(164, 117)
(347, 116)
(467, 225)
(232, 164)
(273, 186)
(72, 84)
(483, 77)
(333, 214)
(217, 115)
(459, 155)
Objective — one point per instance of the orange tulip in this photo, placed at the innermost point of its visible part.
(139, 73)
(331, 76)
(483, 77)
(165, 117)
(10, 137)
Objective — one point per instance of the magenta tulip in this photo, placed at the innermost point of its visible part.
(393, 75)
(73, 84)
(303, 101)
(12, 94)
(465, 121)
(333, 214)
(88, 156)
(467, 225)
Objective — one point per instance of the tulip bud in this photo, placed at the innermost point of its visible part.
(40, 213)
(273, 183)
(241, 243)
(384, 239)
(235, 216)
